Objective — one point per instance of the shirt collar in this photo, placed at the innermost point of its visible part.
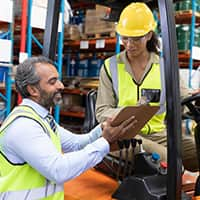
(40, 110)
(154, 58)
(122, 58)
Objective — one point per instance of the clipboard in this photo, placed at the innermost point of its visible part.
(142, 113)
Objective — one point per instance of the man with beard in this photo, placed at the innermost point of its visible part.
(37, 158)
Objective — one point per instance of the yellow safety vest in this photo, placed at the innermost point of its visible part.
(128, 92)
(21, 181)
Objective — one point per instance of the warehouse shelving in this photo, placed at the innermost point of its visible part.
(73, 114)
(32, 38)
(95, 45)
(6, 19)
(186, 60)
(192, 18)
(186, 16)
(74, 91)
(111, 43)
(111, 46)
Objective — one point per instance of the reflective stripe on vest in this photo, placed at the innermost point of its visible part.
(114, 77)
(37, 193)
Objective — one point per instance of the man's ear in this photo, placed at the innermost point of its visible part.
(32, 90)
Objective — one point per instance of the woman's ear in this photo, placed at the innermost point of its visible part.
(149, 35)
(32, 90)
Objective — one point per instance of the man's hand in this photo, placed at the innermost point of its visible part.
(112, 134)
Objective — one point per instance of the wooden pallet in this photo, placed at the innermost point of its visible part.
(99, 35)
(187, 12)
(184, 52)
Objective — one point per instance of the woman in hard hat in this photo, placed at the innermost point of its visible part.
(125, 76)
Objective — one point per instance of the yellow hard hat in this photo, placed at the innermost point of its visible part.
(136, 20)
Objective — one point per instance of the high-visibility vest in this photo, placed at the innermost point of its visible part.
(128, 92)
(21, 181)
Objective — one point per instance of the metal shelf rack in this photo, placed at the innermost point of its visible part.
(31, 38)
(6, 60)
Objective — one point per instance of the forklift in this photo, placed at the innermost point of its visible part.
(170, 183)
(153, 180)
(159, 184)
(149, 178)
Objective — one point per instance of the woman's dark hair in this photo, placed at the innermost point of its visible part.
(153, 45)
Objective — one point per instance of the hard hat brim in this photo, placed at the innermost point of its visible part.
(134, 33)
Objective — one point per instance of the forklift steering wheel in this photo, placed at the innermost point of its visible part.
(193, 104)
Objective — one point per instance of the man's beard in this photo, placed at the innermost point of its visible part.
(50, 100)
(57, 98)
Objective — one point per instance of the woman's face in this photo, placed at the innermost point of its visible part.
(135, 46)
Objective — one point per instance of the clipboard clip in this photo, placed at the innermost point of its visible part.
(143, 101)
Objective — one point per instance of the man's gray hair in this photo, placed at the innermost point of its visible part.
(26, 74)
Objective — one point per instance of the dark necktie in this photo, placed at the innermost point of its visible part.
(51, 122)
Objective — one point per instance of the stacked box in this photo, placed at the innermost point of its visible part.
(83, 68)
(72, 32)
(94, 22)
(94, 67)
(183, 33)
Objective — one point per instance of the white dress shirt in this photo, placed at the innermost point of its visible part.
(26, 142)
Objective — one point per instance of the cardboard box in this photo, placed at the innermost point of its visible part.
(72, 32)
(94, 22)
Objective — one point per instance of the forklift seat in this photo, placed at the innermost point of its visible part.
(90, 119)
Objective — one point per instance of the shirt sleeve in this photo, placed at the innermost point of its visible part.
(36, 148)
(184, 90)
(73, 142)
(106, 104)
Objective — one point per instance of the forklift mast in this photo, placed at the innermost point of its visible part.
(171, 69)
